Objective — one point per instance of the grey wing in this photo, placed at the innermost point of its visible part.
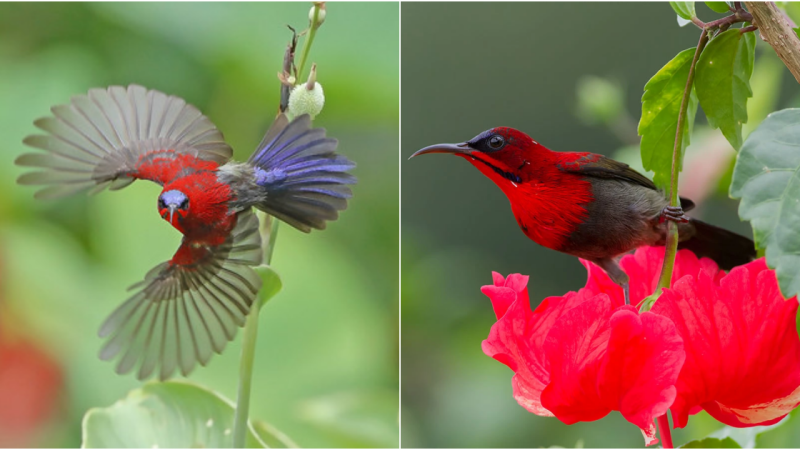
(605, 167)
(182, 313)
(101, 139)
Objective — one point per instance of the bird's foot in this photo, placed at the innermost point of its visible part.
(673, 213)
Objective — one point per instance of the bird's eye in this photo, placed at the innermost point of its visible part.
(496, 142)
(161, 203)
(184, 204)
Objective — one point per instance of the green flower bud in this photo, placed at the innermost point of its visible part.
(320, 17)
(305, 101)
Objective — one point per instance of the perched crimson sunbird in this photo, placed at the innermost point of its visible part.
(192, 305)
(587, 205)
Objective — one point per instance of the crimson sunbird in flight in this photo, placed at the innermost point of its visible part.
(587, 205)
(192, 305)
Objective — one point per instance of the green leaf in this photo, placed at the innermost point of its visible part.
(723, 82)
(767, 179)
(720, 7)
(164, 415)
(745, 437)
(766, 85)
(649, 301)
(271, 283)
(682, 22)
(711, 443)
(661, 105)
(684, 9)
(271, 436)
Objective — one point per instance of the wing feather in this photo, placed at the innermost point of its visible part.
(594, 165)
(181, 314)
(304, 181)
(100, 139)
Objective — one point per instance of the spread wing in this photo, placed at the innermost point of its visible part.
(184, 311)
(594, 165)
(104, 138)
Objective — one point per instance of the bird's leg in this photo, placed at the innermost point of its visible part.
(616, 274)
(626, 288)
(673, 213)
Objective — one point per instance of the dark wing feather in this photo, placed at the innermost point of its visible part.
(593, 165)
(601, 167)
(99, 139)
(183, 313)
(305, 181)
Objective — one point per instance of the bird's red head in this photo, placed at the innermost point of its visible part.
(196, 205)
(502, 154)
(173, 205)
(547, 202)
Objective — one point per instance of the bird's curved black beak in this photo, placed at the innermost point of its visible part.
(458, 149)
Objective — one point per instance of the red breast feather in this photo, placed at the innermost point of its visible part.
(548, 203)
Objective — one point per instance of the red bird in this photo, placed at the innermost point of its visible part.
(193, 304)
(588, 205)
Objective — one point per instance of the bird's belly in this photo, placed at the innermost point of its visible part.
(620, 218)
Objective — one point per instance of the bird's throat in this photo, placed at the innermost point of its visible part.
(548, 204)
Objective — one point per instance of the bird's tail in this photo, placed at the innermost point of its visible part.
(305, 181)
(726, 248)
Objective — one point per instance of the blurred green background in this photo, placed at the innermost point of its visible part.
(571, 75)
(326, 368)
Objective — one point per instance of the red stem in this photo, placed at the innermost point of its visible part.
(739, 15)
(664, 431)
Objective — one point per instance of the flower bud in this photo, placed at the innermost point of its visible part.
(320, 16)
(305, 101)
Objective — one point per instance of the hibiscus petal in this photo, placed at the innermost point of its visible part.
(645, 356)
(517, 339)
(574, 347)
(742, 347)
(644, 269)
(603, 360)
(504, 291)
(508, 343)
(598, 282)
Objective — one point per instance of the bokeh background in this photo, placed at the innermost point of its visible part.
(571, 75)
(326, 369)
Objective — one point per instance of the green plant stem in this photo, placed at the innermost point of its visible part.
(312, 31)
(246, 376)
(665, 279)
(269, 233)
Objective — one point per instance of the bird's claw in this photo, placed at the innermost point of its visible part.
(673, 213)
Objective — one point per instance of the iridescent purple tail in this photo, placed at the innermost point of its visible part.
(306, 182)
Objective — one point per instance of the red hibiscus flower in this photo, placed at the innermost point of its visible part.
(583, 355)
(742, 348)
(30, 382)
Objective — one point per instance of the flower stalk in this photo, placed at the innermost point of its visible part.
(269, 233)
(312, 31)
(672, 233)
(664, 431)
(665, 280)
